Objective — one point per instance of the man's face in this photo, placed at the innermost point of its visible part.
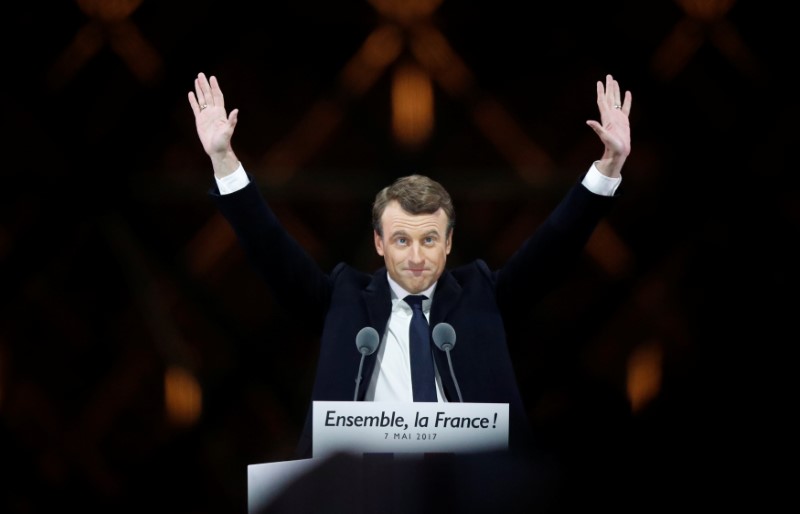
(414, 246)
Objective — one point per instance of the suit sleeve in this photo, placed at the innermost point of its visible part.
(552, 251)
(294, 277)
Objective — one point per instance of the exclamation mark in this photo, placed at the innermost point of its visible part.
(495, 421)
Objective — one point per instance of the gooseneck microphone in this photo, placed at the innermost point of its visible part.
(367, 341)
(444, 336)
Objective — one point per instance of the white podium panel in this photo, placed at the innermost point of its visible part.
(266, 481)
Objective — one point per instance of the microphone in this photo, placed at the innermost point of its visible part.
(444, 336)
(367, 341)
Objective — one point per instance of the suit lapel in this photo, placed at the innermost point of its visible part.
(445, 298)
(378, 300)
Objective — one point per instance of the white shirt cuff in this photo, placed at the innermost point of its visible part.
(600, 184)
(233, 182)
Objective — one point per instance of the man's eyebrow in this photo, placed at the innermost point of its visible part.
(431, 232)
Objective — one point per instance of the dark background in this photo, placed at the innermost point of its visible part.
(116, 267)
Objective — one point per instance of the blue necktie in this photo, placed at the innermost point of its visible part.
(422, 375)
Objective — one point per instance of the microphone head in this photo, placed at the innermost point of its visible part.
(444, 336)
(367, 340)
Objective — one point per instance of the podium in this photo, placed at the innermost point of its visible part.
(366, 454)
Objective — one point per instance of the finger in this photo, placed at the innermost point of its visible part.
(203, 89)
(626, 105)
(233, 118)
(598, 128)
(198, 92)
(612, 88)
(193, 103)
(216, 93)
(601, 95)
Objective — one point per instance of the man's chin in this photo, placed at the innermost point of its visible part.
(414, 282)
(416, 287)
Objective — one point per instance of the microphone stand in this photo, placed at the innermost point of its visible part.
(446, 348)
(360, 366)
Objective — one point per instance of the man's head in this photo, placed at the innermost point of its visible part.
(413, 222)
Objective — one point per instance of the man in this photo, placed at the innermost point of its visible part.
(413, 223)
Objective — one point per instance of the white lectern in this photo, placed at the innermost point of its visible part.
(400, 430)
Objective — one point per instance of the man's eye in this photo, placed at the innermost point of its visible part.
(401, 240)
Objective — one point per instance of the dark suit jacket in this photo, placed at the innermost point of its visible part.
(474, 299)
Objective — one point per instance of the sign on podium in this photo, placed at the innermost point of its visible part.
(408, 427)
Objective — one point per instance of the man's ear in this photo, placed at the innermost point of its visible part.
(378, 242)
(449, 243)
